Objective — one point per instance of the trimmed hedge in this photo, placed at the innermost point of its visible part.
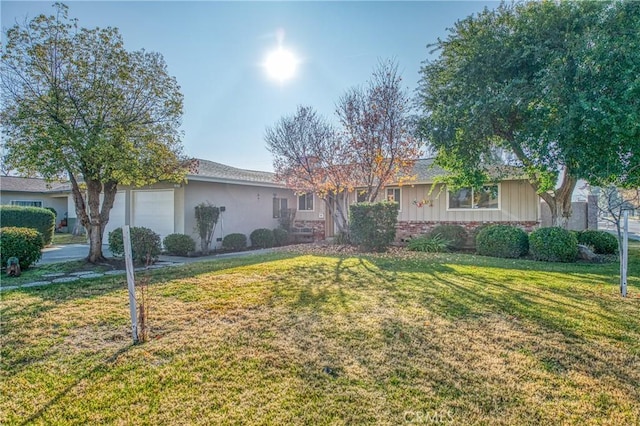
(373, 225)
(179, 244)
(234, 242)
(145, 244)
(281, 236)
(262, 238)
(455, 234)
(602, 242)
(38, 218)
(553, 245)
(502, 241)
(24, 243)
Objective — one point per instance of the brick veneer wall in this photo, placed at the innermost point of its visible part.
(408, 229)
(316, 225)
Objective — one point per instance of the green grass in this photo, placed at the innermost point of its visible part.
(408, 338)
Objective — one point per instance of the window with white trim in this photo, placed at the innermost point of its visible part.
(305, 202)
(26, 203)
(487, 197)
(393, 194)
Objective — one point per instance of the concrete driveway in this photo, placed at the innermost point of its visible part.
(634, 228)
(68, 252)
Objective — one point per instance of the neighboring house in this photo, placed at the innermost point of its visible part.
(252, 199)
(34, 192)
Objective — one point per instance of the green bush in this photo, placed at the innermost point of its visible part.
(234, 242)
(553, 245)
(281, 236)
(40, 219)
(601, 242)
(373, 225)
(262, 238)
(24, 243)
(455, 234)
(502, 241)
(145, 244)
(429, 244)
(179, 244)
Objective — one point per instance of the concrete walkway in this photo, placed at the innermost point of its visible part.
(73, 252)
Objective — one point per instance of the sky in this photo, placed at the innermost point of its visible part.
(217, 52)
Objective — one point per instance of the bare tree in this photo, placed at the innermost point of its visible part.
(378, 128)
(309, 158)
(612, 201)
(374, 147)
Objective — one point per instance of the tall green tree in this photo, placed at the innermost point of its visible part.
(552, 86)
(77, 105)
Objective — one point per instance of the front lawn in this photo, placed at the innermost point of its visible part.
(288, 338)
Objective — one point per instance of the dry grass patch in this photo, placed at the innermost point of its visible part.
(310, 339)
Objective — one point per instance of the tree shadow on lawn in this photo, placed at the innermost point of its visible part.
(96, 371)
(575, 313)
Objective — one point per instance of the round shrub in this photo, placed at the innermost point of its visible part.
(234, 242)
(601, 242)
(280, 236)
(145, 244)
(179, 244)
(24, 243)
(502, 241)
(262, 238)
(553, 245)
(455, 234)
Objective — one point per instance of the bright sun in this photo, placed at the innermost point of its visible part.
(281, 64)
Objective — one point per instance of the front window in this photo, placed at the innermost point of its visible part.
(393, 194)
(305, 202)
(26, 203)
(486, 197)
(279, 204)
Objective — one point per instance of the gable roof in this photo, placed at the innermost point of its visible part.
(24, 184)
(210, 171)
(426, 171)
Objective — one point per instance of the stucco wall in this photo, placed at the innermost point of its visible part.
(58, 202)
(246, 208)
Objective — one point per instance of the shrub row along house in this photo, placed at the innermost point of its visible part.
(253, 199)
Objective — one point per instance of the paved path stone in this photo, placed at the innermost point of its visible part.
(36, 283)
(9, 287)
(91, 275)
(65, 280)
(116, 272)
(54, 275)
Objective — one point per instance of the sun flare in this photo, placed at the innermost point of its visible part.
(281, 64)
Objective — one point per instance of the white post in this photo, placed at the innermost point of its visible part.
(128, 260)
(625, 254)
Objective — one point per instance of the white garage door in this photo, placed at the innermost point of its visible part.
(153, 210)
(116, 216)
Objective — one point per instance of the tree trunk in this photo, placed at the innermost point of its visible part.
(336, 210)
(91, 215)
(559, 201)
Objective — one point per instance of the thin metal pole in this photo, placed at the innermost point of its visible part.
(625, 254)
(128, 260)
